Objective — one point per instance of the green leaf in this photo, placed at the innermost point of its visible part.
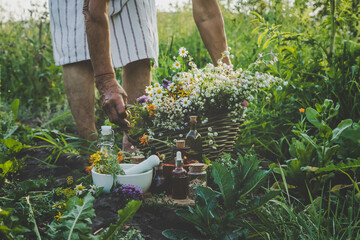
(177, 234)
(261, 36)
(13, 145)
(267, 43)
(32, 184)
(124, 215)
(313, 117)
(255, 29)
(340, 128)
(329, 153)
(308, 139)
(255, 14)
(325, 131)
(257, 202)
(15, 107)
(253, 182)
(75, 224)
(74, 219)
(32, 219)
(226, 184)
(6, 167)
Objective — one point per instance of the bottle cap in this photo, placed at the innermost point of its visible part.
(193, 119)
(105, 130)
(180, 144)
(137, 159)
(197, 167)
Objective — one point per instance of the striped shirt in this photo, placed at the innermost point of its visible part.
(133, 31)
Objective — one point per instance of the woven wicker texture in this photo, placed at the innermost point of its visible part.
(227, 132)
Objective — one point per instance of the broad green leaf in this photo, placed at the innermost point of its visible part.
(253, 182)
(225, 182)
(308, 139)
(325, 131)
(74, 219)
(329, 153)
(192, 217)
(13, 145)
(75, 224)
(313, 117)
(340, 128)
(6, 167)
(124, 215)
(207, 206)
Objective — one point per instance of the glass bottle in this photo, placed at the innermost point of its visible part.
(180, 146)
(193, 141)
(158, 184)
(179, 179)
(106, 140)
(197, 177)
(158, 181)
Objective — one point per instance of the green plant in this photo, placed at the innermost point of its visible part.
(332, 215)
(220, 214)
(62, 143)
(315, 150)
(10, 227)
(74, 223)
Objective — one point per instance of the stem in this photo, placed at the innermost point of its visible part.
(332, 36)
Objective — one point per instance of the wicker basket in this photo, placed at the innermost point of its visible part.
(222, 124)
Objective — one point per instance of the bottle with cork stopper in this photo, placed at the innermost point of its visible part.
(179, 179)
(197, 177)
(180, 146)
(193, 141)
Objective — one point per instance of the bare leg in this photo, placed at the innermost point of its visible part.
(136, 76)
(79, 86)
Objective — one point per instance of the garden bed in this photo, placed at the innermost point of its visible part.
(155, 215)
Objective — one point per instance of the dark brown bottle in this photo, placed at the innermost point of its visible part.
(193, 141)
(179, 179)
(158, 184)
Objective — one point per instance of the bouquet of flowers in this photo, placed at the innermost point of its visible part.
(210, 90)
(106, 163)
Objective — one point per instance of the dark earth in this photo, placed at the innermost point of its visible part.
(151, 219)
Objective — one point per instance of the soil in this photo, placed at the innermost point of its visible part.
(151, 219)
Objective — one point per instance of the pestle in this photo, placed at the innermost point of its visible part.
(144, 166)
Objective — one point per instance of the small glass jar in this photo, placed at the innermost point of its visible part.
(197, 177)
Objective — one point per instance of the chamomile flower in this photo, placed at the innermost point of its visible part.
(148, 89)
(158, 91)
(183, 52)
(176, 65)
(186, 102)
(92, 189)
(79, 189)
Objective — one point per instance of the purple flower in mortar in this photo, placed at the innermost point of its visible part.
(142, 99)
(165, 83)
